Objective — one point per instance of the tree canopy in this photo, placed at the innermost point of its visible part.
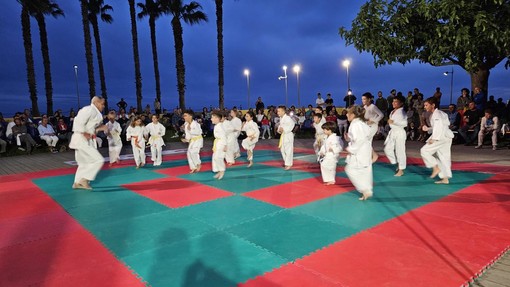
(474, 35)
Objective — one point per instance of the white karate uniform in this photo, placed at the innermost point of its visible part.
(233, 129)
(251, 129)
(137, 135)
(329, 152)
(220, 142)
(86, 154)
(156, 131)
(359, 161)
(44, 134)
(439, 152)
(194, 137)
(114, 140)
(373, 114)
(320, 137)
(286, 143)
(395, 143)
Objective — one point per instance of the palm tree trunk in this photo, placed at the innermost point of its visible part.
(29, 58)
(221, 77)
(138, 74)
(46, 62)
(88, 49)
(99, 53)
(152, 25)
(179, 61)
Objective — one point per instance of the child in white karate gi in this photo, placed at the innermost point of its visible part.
(136, 133)
(156, 131)
(329, 153)
(114, 141)
(219, 145)
(193, 136)
(252, 135)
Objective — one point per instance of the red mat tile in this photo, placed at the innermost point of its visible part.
(470, 244)
(494, 189)
(290, 275)
(300, 192)
(77, 259)
(480, 167)
(25, 229)
(465, 209)
(176, 192)
(23, 198)
(181, 170)
(367, 259)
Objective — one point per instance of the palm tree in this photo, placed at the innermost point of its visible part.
(138, 73)
(191, 15)
(153, 10)
(88, 48)
(95, 8)
(219, 31)
(47, 8)
(29, 56)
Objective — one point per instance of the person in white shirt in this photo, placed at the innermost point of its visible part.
(395, 143)
(136, 133)
(193, 136)
(319, 102)
(219, 145)
(113, 136)
(329, 153)
(86, 124)
(286, 143)
(359, 159)
(488, 126)
(372, 116)
(436, 153)
(234, 129)
(47, 133)
(318, 121)
(252, 135)
(156, 131)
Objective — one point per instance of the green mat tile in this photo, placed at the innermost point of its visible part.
(291, 235)
(215, 259)
(229, 211)
(135, 235)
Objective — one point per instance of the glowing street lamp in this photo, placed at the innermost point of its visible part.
(297, 69)
(76, 80)
(284, 77)
(247, 74)
(451, 83)
(346, 64)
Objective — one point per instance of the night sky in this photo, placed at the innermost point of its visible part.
(259, 35)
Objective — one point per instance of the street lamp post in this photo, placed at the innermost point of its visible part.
(297, 69)
(284, 77)
(247, 74)
(346, 64)
(451, 83)
(76, 80)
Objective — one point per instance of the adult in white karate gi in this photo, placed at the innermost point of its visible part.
(86, 124)
(286, 143)
(252, 135)
(372, 116)
(436, 153)
(359, 159)
(113, 136)
(156, 131)
(318, 121)
(136, 133)
(233, 129)
(193, 136)
(329, 153)
(47, 133)
(395, 143)
(219, 145)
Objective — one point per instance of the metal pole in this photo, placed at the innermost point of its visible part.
(248, 84)
(298, 98)
(451, 88)
(76, 80)
(286, 89)
(348, 79)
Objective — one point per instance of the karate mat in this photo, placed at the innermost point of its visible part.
(262, 226)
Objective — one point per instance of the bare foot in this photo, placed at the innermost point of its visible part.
(366, 195)
(329, 183)
(400, 172)
(193, 171)
(435, 171)
(137, 167)
(251, 163)
(229, 163)
(287, 167)
(216, 175)
(442, 181)
(198, 168)
(220, 175)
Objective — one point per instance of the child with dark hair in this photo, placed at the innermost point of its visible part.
(329, 153)
(193, 136)
(252, 135)
(219, 145)
(136, 133)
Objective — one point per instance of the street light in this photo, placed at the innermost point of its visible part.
(77, 89)
(451, 84)
(284, 77)
(297, 69)
(247, 74)
(346, 64)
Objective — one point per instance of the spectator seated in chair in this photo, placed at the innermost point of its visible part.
(21, 135)
(488, 126)
(472, 118)
(47, 133)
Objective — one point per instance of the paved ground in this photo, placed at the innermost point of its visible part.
(496, 275)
